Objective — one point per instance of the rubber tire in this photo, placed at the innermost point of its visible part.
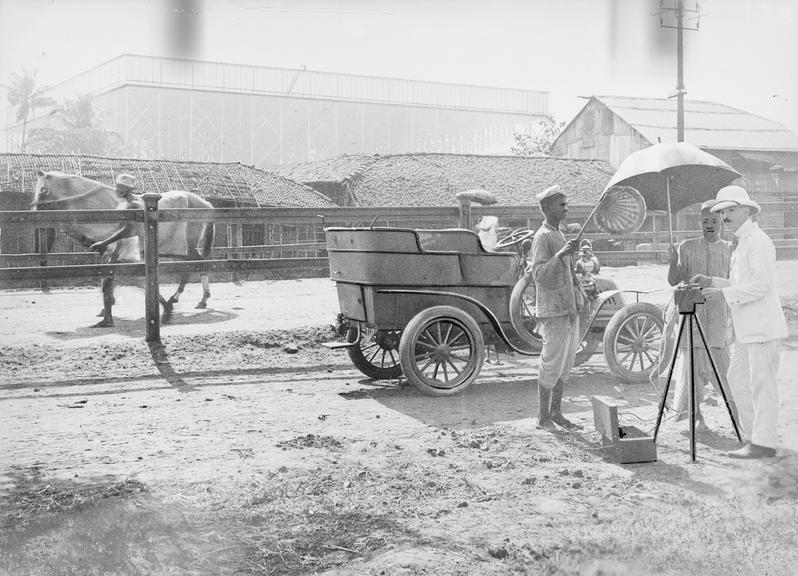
(591, 345)
(409, 343)
(618, 323)
(527, 336)
(361, 361)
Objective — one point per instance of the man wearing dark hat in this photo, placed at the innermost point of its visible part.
(757, 321)
(557, 307)
(708, 255)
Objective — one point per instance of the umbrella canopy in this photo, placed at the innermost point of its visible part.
(680, 170)
(622, 210)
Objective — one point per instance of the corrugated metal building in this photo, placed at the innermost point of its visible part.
(610, 128)
(207, 111)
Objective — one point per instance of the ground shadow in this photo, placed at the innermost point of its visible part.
(672, 474)
(504, 392)
(161, 361)
(713, 440)
(136, 328)
(481, 404)
(231, 372)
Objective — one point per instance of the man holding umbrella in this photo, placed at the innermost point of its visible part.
(757, 321)
(708, 255)
(558, 302)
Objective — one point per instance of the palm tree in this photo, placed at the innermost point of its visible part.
(78, 113)
(27, 98)
(80, 131)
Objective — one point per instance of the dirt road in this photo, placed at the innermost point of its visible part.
(243, 447)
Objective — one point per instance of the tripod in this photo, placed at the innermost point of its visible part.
(687, 300)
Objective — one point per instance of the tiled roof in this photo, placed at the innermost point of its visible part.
(434, 179)
(706, 124)
(222, 184)
(337, 169)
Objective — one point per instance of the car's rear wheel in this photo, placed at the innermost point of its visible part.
(377, 353)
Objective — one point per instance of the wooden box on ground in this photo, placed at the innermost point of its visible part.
(625, 444)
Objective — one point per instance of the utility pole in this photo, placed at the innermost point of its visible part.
(679, 11)
(680, 71)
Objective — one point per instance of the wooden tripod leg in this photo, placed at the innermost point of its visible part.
(693, 408)
(670, 375)
(721, 383)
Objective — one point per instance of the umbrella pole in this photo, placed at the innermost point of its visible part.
(670, 222)
(589, 217)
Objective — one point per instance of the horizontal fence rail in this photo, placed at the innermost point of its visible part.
(379, 215)
(649, 245)
(175, 268)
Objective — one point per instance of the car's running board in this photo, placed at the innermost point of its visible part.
(337, 345)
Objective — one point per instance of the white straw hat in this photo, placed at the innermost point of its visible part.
(729, 196)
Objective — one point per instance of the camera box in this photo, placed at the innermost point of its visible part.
(624, 444)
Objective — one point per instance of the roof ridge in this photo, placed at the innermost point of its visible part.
(474, 155)
(600, 96)
(125, 158)
(727, 108)
(281, 177)
(690, 128)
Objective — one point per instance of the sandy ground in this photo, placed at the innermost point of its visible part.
(245, 439)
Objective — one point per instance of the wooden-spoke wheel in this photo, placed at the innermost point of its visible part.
(377, 353)
(441, 350)
(632, 341)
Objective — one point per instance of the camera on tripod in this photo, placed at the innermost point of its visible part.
(686, 297)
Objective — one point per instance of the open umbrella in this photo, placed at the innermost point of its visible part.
(672, 176)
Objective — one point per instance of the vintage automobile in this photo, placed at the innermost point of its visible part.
(423, 303)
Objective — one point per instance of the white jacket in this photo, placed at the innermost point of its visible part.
(750, 291)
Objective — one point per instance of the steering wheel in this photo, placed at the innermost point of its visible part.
(515, 237)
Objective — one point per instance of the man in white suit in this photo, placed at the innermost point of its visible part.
(757, 320)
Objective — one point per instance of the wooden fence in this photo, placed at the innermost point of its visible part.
(15, 268)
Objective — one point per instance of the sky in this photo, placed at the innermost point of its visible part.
(745, 53)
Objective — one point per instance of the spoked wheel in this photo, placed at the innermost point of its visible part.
(441, 350)
(377, 353)
(632, 341)
(522, 312)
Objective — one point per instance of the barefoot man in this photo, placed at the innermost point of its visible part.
(557, 307)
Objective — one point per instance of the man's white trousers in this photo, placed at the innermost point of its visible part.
(752, 379)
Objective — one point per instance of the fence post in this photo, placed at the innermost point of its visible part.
(42, 241)
(464, 212)
(151, 266)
